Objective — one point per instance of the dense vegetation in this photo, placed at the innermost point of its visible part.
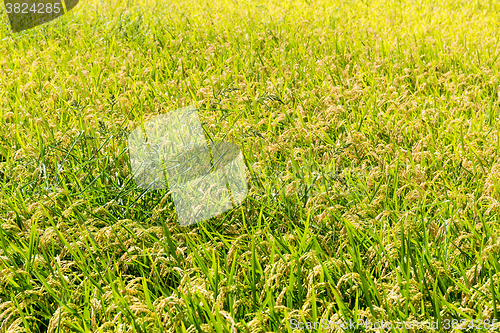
(371, 135)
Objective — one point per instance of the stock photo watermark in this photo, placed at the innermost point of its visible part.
(26, 14)
(456, 324)
(171, 151)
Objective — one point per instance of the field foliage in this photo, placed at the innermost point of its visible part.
(370, 130)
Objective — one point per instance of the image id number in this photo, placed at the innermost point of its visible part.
(476, 324)
(40, 8)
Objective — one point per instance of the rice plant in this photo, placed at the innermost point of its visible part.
(370, 134)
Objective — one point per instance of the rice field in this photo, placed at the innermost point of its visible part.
(370, 132)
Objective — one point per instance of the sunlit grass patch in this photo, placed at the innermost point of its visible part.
(370, 133)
